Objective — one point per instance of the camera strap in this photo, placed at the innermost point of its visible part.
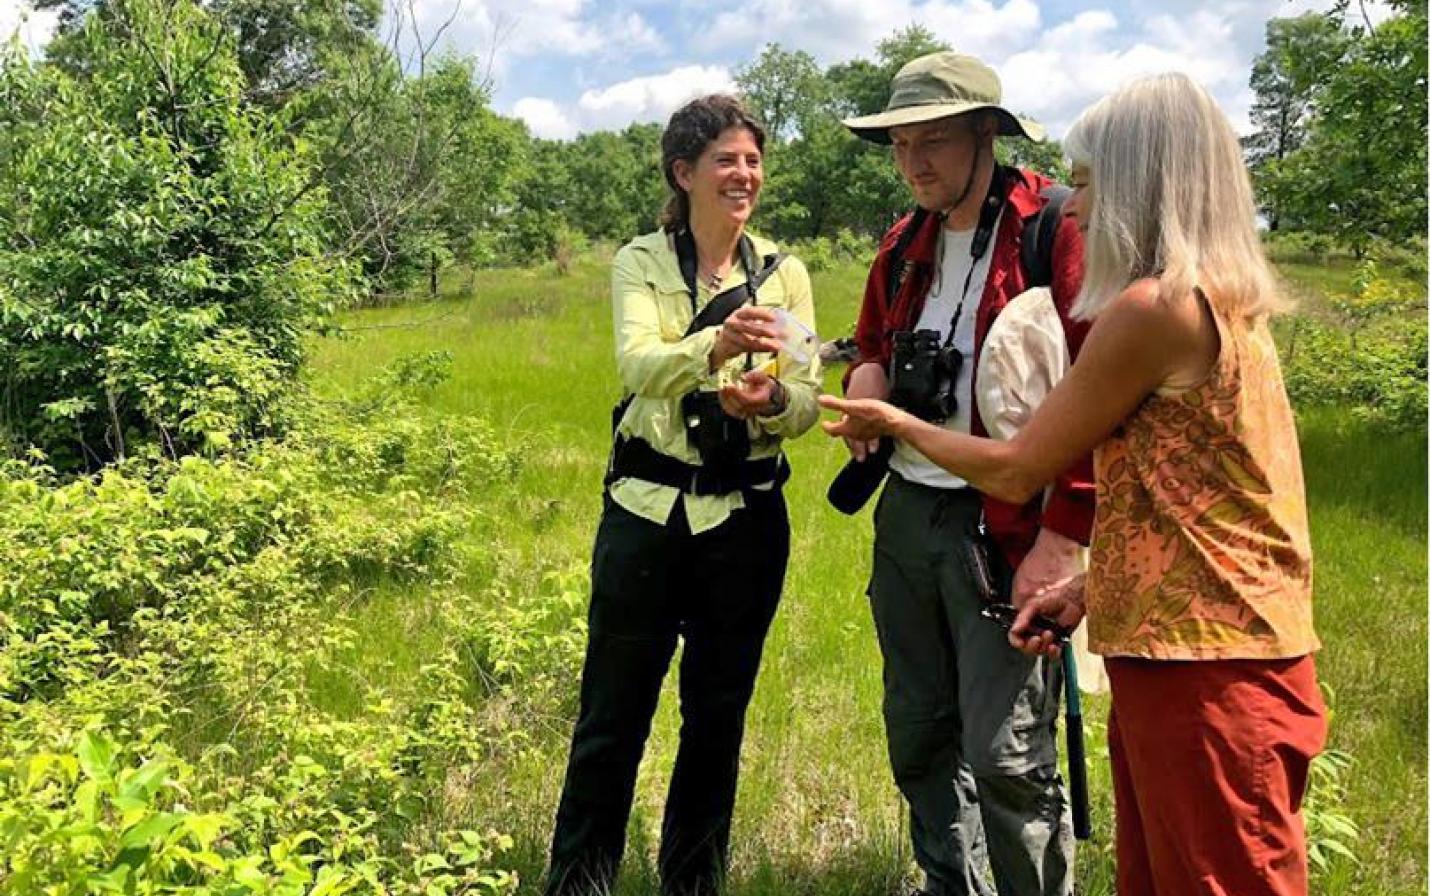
(723, 304)
(987, 220)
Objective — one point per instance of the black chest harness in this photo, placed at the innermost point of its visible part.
(634, 457)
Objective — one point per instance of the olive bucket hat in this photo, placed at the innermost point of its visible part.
(941, 85)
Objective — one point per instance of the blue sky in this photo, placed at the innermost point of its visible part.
(570, 66)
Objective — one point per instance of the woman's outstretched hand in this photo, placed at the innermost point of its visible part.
(861, 419)
(1062, 603)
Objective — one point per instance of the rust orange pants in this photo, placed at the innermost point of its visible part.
(1209, 765)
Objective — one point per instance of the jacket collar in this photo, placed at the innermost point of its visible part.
(1023, 198)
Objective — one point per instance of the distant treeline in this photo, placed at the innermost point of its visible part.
(189, 187)
(421, 172)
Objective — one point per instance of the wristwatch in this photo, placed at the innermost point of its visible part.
(779, 400)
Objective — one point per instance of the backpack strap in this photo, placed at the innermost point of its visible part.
(896, 255)
(1039, 234)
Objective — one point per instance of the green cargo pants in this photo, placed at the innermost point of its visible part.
(971, 722)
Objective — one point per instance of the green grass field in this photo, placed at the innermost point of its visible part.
(818, 813)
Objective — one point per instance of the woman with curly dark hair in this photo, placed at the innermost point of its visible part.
(694, 536)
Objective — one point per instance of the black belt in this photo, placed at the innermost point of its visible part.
(635, 458)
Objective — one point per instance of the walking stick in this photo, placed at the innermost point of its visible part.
(1077, 756)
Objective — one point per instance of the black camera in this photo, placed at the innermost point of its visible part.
(721, 441)
(922, 375)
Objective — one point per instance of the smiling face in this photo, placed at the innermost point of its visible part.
(725, 180)
(1079, 204)
(936, 157)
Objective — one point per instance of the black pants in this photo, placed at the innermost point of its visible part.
(649, 585)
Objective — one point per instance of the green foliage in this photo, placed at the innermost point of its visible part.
(160, 255)
(421, 171)
(1341, 127)
(284, 47)
(159, 727)
(287, 47)
(1045, 158)
(1285, 78)
(102, 816)
(824, 253)
(537, 215)
(616, 185)
(601, 186)
(1297, 246)
(785, 89)
(1331, 834)
(1370, 357)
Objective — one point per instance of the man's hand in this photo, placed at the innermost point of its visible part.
(868, 381)
(749, 328)
(1054, 559)
(753, 396)
(1063, 604)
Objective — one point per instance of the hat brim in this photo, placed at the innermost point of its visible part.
(875, 128)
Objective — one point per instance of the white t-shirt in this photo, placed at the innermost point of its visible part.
(954, 260)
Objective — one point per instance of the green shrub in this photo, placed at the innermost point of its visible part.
(99, 817)
(161, 251)
(159, 726)
(1297, 246)
(1370, 358)
(823, 253)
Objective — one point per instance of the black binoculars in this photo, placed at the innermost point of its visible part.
(922, 375)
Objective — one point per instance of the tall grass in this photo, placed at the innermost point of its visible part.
(818, 813)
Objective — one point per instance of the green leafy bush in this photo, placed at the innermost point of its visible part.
(1369, 357)
(161, 252)
(822, 253)
(167, 626)
(1297, 246)
(100, 818)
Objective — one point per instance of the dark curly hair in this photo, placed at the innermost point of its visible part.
(693, 127)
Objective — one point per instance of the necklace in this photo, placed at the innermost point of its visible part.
(712, 279)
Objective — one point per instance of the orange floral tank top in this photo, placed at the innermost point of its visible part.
(1200, 544)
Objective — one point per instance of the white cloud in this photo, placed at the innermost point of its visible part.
(633, 33)
(544, 118)
(835, 30)
(34, 27)
(977, 26)
(654, 97)
(503, 32)
(649, 98)
(1095, 52)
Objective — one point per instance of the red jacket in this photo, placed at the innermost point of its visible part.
(1069, 508)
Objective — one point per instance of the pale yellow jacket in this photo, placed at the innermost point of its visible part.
(658, 364)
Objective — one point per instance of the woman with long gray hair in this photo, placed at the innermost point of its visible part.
(1199, 589)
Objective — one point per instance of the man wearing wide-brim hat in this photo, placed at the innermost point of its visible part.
(970, 721)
